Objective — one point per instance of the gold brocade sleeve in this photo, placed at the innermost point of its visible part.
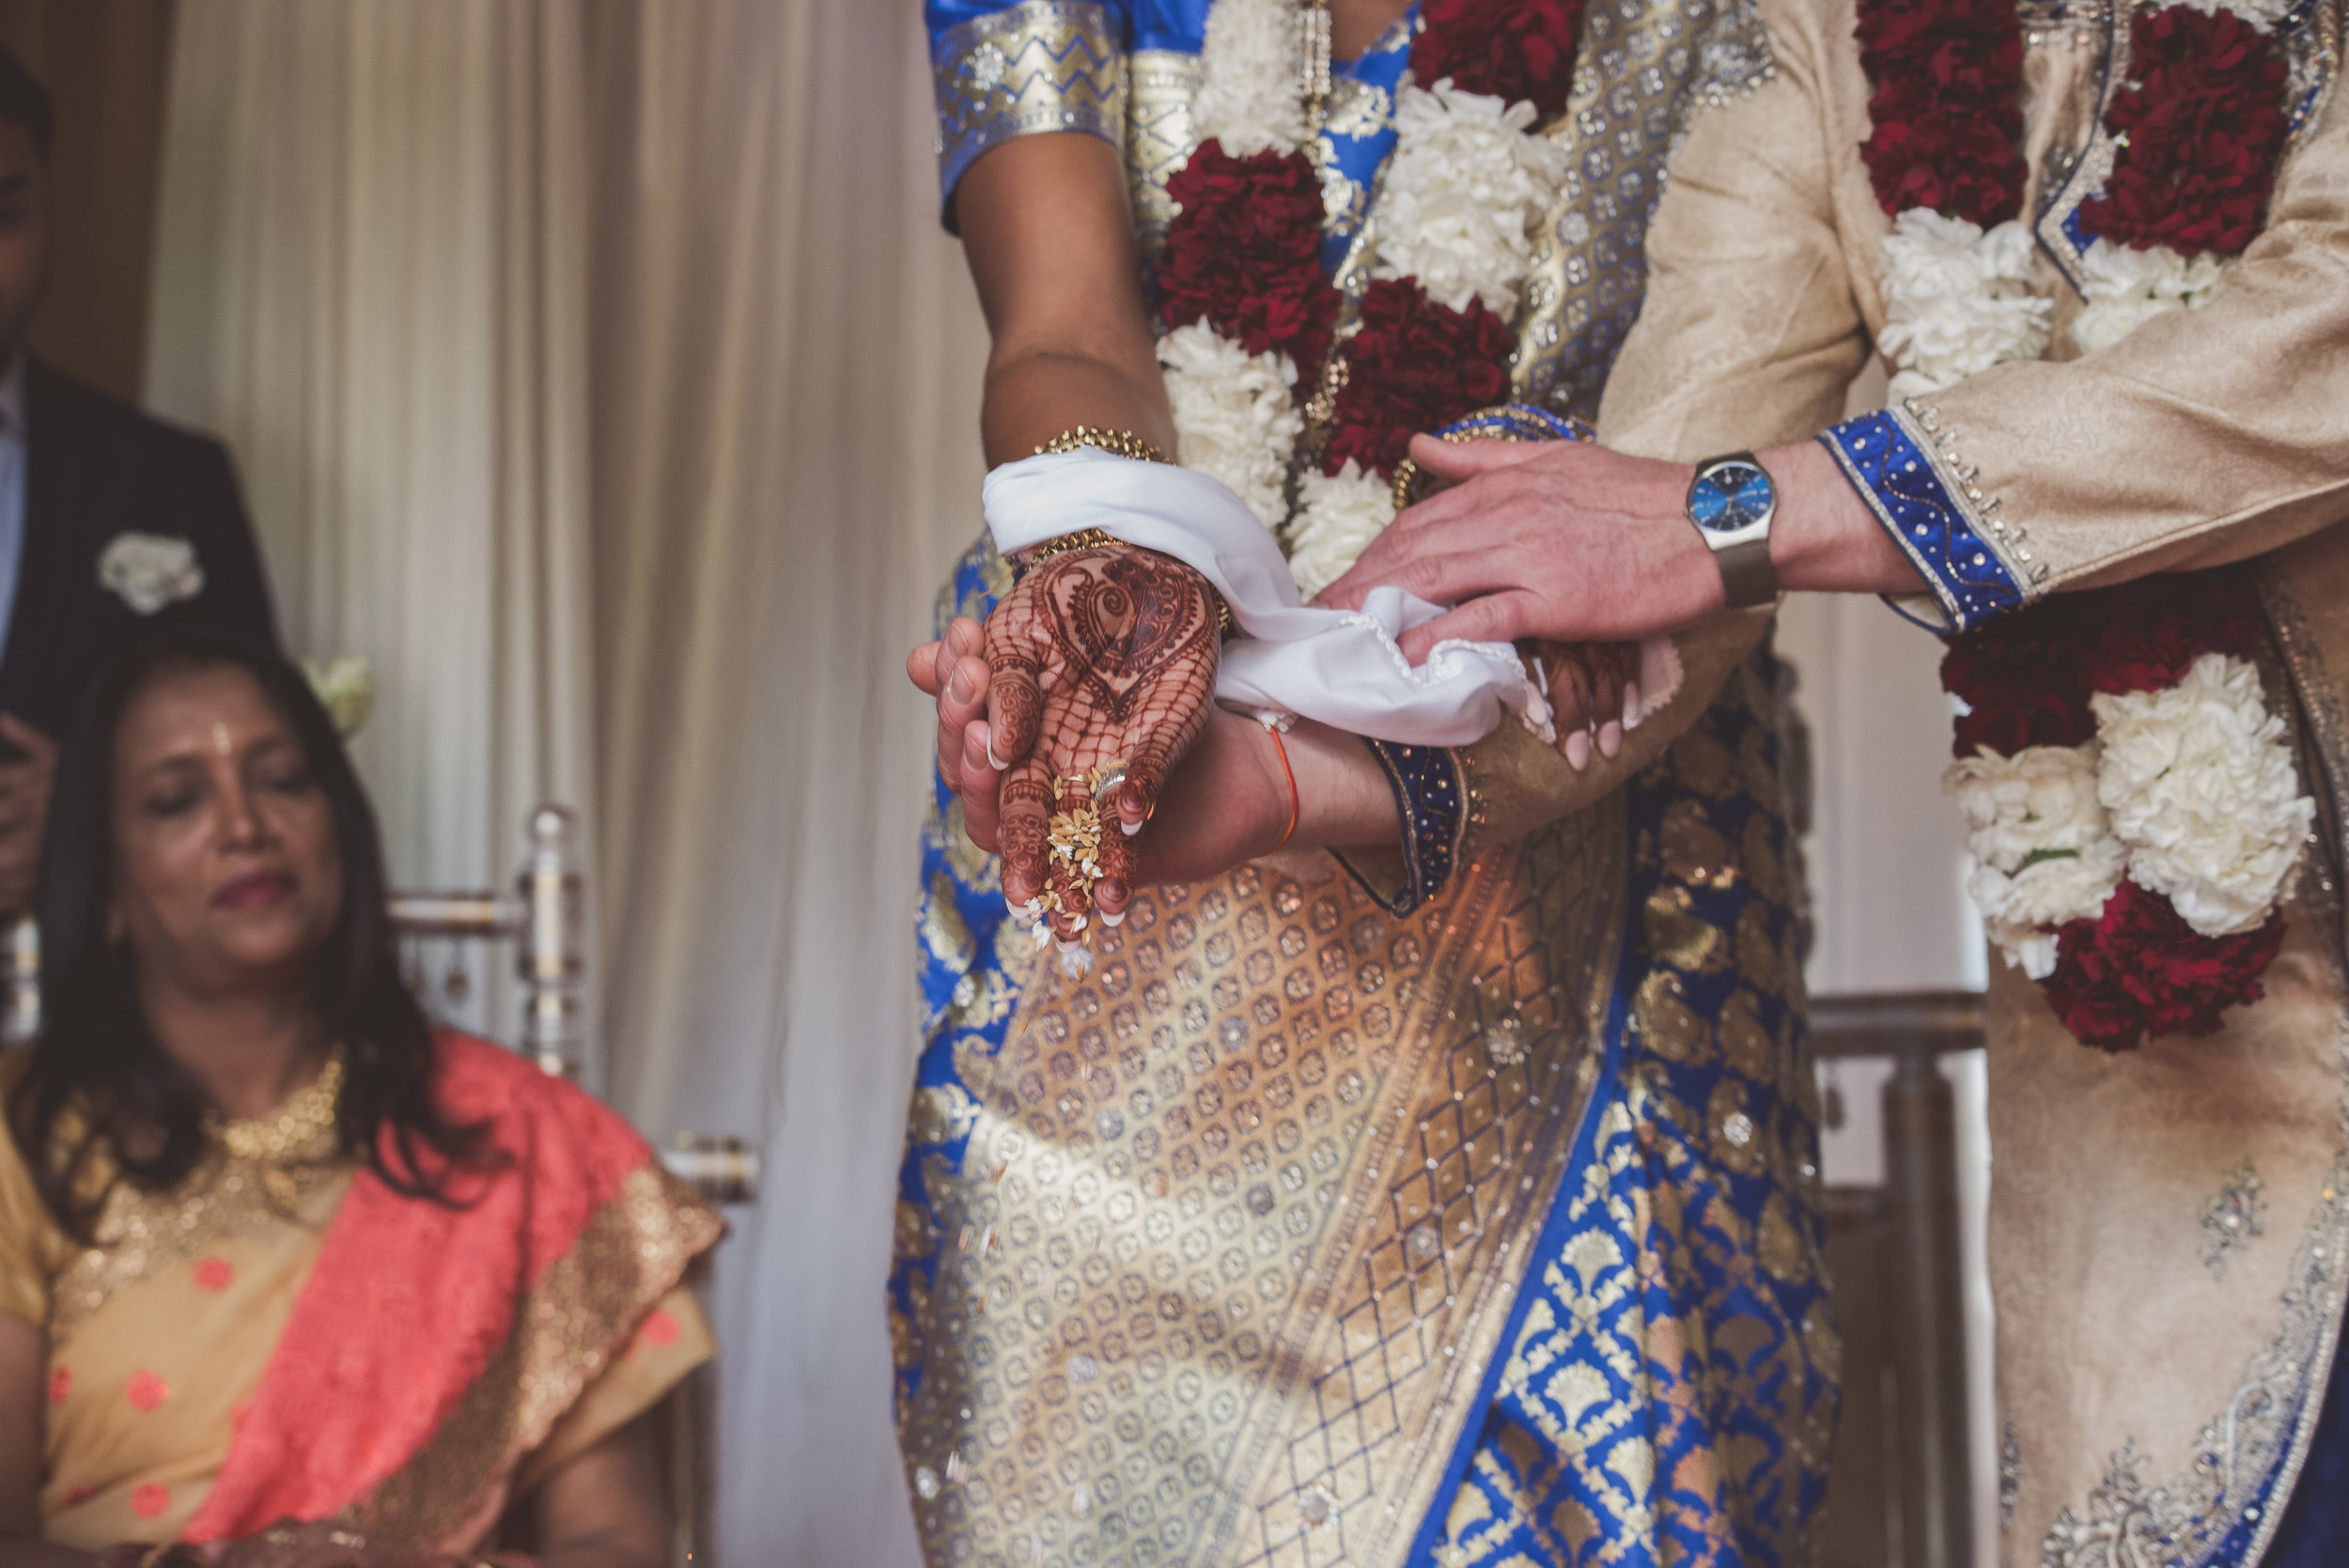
(1039, 66)
(1750, 336)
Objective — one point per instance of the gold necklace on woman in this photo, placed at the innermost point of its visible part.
(298, 1132)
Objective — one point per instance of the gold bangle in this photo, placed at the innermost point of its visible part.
(1123, 443)
(1084, 538)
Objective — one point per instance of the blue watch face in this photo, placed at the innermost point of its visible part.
(1730, 496)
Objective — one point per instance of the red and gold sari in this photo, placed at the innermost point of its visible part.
(294, 1339)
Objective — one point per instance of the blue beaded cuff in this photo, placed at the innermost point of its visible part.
(1901, 464)
(1043, 64)
(1432, 800)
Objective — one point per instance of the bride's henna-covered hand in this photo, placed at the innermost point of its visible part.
(1097, 657)
(1594, 695)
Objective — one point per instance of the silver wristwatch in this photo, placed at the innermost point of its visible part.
(1731, 502)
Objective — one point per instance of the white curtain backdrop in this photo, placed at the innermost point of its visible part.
(372, 280)
(413, 254)
(786, 460)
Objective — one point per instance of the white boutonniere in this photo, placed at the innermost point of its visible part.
(150, 570)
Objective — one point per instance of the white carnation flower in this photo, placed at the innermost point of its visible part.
(2042, 847)
(1236, 414)
(1251, 66)
(2041, 798)
(150, 572)
(2125, 288)
(1338, 515)
(2200, 781)
(1465, 194)
(1956, 300)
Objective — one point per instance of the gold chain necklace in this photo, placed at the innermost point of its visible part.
(295, 1130)
(1314, 82)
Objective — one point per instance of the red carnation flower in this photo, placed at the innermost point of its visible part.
(2141, 969)
(2020, 678)
(1244, 254)
(2203, 123)
(1946, 108)
(1414, 365)
(2145, 635)
(1516, 50)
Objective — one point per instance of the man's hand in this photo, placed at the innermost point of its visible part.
(1556, 540)
(25, 786)
(1574, 543)
(1097, 657)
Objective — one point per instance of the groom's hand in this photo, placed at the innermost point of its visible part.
(1557, 540)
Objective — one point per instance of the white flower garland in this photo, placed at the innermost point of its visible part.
(2200, 781)
(2189, 791)
(2125, 288)
(1957, 299)
(1236, 414)
(1461, 202)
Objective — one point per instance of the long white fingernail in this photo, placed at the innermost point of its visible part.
(1113, 920)
(988, 735)
(1579, 749)
(1128, 829)
(1068, 945)
(1631, 704)
(1609, 738)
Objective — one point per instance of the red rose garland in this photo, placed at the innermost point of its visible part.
(1413, 365)
(1517, 50)
(2139, 969)
(2200, 128)
(1947, 106)
(1245, 255)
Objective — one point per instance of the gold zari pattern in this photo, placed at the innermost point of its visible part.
(1242, 1211)
(567, 1328)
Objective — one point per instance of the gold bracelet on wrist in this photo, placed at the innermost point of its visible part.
(1123, 443)
(1084, 538)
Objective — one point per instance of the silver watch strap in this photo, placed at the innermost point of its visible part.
(1747, 573)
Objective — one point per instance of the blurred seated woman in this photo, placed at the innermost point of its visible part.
(287, 1278)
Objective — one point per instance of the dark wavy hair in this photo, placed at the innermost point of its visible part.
(96, 1057)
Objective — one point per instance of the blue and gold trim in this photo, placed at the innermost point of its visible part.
(1431, 798)
(1044, 64)
(1977, 563)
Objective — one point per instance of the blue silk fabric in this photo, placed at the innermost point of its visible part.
(1666, 1389)
(1669, 1393)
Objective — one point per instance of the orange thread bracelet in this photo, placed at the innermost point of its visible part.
(1295, 807)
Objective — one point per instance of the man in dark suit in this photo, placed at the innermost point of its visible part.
(111, 523)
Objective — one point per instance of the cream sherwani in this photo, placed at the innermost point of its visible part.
(2159, 1370)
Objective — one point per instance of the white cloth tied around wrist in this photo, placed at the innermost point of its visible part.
(1342, 668)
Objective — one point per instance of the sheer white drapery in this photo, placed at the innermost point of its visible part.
(372, 280)
(787, 449)
(414, 254)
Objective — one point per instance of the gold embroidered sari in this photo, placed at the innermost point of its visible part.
(215, 1366)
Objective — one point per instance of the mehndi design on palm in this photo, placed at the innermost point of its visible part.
(1103, 665)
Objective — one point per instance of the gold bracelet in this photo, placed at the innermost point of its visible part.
(1123, 443)
(1084, 538)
